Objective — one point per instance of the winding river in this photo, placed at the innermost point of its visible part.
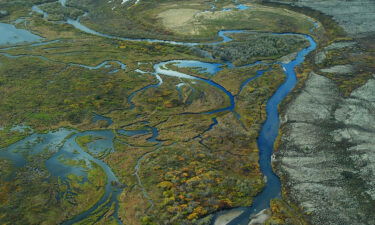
(267, 137)
(63, 141)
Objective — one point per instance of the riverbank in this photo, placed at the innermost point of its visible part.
(185, 139)
(319, 139)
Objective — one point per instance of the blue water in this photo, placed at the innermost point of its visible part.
(155, 134)
(106, 64)
(161, 68)
(33, 144)
(10, 35)
(202, 67)
(315, 26)
(247, 81)
(242, 7)
(39, 11)
(78, 25)
(268, 135)
(132, 95)
(214, 68)
(212, 125)
(131, 133)
(72, 148)
(98, 117)
(62, 145)
(104, 143)
(146, 130)
(239, 7)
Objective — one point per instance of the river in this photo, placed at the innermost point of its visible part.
(266, 139)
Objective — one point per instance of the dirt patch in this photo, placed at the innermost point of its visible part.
(190, 21)
(176, 19)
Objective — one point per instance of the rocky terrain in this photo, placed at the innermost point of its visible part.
(356, 16)
(327, 156)
(326, 159)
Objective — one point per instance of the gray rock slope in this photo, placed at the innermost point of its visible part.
(356, 16)
(327, 155)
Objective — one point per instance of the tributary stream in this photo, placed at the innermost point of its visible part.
(63, 141)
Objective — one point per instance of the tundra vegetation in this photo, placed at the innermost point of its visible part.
(30, 195)
(190, 171)
(246, 48)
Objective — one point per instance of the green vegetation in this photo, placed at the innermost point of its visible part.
(9, 136)
(200, 187)
(56, 12)
(5, 173)
(83, 141)
(193, 171)
(251, 102)
(283, 213)
(221, 170)
(362, 63)
(17, 9)
(246, 49)
(187, 20)
(29, 195)
(359, 57)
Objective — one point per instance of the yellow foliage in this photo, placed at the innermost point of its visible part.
(275, 208)
(169, 201)
(165, 185)
(171, 209)
(200, 211)
(182, 207)
(201, 155)
(251, 89)
(200, 171)
(192, 216)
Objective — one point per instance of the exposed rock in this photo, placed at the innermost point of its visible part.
(355, 16)
(327, 155)
(261, 217)
(288, 58)
(340, 45)
(227, 216)
(322, 101)
(321, 56)
(339, 69)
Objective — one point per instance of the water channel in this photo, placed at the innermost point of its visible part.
(63, 141)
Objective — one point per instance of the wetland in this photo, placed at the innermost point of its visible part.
(123, 112)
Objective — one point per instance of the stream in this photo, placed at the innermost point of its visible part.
(62, 143)
(267, 137)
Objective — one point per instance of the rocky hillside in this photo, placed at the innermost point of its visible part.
(355, 16)
(327, 158)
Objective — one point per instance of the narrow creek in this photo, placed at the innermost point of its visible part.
(68, 148)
